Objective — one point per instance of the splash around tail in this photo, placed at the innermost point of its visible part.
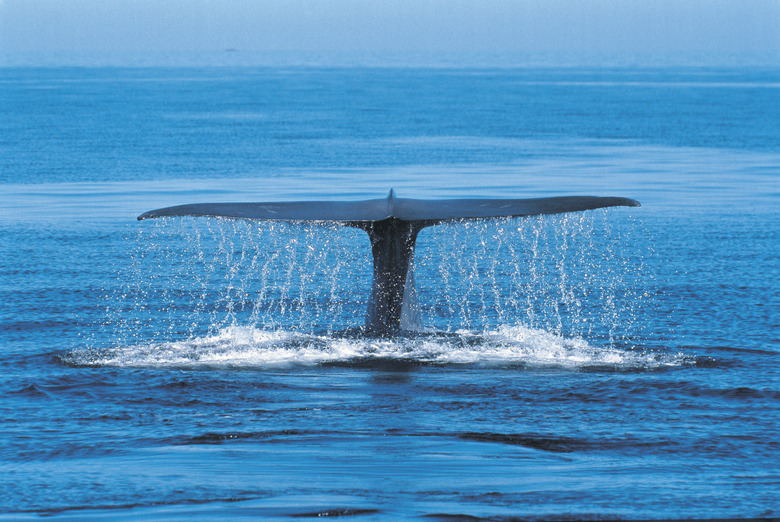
(247, 347)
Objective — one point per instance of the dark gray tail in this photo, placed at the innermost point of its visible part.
(392, 225)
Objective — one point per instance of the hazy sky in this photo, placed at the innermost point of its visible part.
(398, 25)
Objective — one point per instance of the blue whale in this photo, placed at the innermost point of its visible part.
(392, 225)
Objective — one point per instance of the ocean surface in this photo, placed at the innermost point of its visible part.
(612, 364)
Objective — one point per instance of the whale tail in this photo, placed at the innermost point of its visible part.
(392, 225)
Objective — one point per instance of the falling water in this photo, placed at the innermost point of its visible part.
(204, 275)
(574, 275)
(556, 290)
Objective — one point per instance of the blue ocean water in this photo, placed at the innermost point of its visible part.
(618, 364)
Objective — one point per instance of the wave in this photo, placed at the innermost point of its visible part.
(251, 347)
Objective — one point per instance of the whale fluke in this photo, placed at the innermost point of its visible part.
(435, 211)
(392, 225)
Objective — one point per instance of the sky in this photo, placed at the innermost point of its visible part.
(455, 26)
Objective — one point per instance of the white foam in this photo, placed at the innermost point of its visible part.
(250, 347)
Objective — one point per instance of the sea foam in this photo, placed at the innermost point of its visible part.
(251, 347)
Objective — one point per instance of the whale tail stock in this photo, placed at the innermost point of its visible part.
(392, 225)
